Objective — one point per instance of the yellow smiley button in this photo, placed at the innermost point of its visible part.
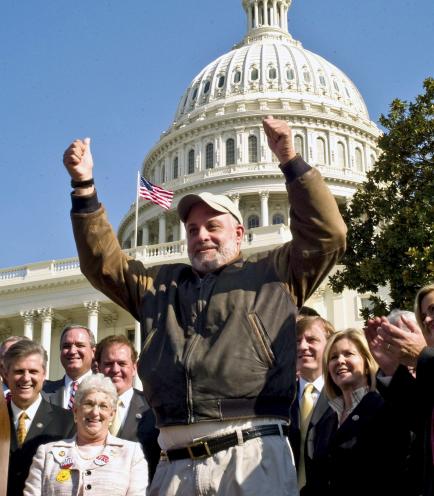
(63, 475)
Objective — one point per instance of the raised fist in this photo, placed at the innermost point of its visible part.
(279, 138)
(78, 160)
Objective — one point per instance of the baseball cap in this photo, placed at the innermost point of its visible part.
(219, 203)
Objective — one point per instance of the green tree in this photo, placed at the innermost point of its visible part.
(390, 218)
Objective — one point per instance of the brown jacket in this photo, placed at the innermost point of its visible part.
(223, 346)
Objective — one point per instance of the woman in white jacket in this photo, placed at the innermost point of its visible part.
(94, 461)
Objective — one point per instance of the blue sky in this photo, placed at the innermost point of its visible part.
(115, 70)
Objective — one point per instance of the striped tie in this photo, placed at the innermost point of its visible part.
(74, 387)
(306, 408)
(21, 428)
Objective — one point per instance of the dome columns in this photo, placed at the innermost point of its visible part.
(271, 13)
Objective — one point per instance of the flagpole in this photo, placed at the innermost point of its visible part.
(137, 210)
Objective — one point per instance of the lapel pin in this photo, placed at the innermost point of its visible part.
(355, 417)
(138, 416)
(39, 425)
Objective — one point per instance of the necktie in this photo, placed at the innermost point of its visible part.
(306, 407)
(21, 428)
(116, 422)
(74, 387)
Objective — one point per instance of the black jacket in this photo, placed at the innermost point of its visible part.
(50, 423)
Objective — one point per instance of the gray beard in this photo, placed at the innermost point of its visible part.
(222, 257)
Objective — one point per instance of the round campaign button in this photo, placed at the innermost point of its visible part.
(101, 460)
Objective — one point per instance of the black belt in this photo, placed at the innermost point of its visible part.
(207, 447)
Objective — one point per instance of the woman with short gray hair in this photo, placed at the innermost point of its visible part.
(94, 459)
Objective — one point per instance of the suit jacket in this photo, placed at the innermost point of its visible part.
(322, 415)
(53, 391)
(366, 455)
(424, 379)
(122, 472)
(49, 424)
(415, 399)
(139, 426)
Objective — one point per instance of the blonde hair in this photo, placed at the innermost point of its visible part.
(306, 322)
(418, 302)
(358, 338)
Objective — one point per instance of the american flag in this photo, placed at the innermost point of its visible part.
(156, 194)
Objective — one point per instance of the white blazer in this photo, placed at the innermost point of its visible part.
(121, 470)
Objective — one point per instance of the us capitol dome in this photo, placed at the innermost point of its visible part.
(216, 142)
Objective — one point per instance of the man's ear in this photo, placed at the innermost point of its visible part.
(240, 232)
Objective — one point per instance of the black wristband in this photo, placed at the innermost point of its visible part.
(82, 184)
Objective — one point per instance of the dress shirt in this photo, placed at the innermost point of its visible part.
(68, 387)
(30, 411)
(125, 398)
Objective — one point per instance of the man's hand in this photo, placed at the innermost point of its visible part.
(78, 160)
(279, 138)
(405, 345)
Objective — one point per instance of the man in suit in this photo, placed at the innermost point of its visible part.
(77, 349)
(312, 334)
(33, 421)
(117, 358)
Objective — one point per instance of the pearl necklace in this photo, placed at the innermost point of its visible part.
(93, 456)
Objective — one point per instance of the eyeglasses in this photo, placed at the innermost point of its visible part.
(88, 406)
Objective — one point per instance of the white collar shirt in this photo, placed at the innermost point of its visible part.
(30, 411)
(125, 399)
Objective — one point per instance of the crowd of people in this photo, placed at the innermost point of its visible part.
(246, 391)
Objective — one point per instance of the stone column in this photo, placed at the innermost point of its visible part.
(46, 315)
(181, 230)
(92, 316)
(28, 316)
(264, 208)
(282, 15)
(145, 234)
(249, 18)
(161, 229)
(274, 14)
(265, 15)
(235, 197)
(256, 20)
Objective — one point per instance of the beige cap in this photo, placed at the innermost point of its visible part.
(219, 203)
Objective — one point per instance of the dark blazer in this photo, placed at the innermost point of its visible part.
(366, 455)
(322, 415)
(52, 391)
(139, 426)
(425, 383)
(50, 423)
(415, 399)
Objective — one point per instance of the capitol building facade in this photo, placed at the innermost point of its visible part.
(216, 143)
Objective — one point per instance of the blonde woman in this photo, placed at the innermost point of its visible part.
(366, 437)
(94, 462)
